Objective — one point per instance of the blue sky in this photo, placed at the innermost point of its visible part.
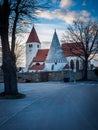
(60, 15)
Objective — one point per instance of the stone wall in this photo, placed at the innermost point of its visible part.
(55, 76)
(52, 76)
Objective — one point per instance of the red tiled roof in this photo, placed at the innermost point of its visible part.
(37, 67)
(33, 37)
(72, 49)
(41, 55)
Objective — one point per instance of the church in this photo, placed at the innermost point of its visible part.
(59, 57)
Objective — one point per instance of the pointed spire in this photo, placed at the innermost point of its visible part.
(55, 53)
(33, 37)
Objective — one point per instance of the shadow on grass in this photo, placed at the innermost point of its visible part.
(11, 96)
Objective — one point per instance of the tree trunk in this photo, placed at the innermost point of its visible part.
(8, 66)
(85, 74)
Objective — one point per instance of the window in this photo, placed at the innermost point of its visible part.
(72, 64)
(30, 45)
(55, 63)
(37, 63)
(52, 67)
(37, 46)
(77, 65)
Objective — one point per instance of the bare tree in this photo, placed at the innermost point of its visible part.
(20, 52)
(12, 16)
(85, 37)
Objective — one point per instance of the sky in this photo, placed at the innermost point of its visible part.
(60, 15)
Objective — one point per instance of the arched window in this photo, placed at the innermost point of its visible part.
(52, 67)
(72, 64)
(77, 64)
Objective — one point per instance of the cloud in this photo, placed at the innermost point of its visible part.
(85, 13)
(54, 1)
(66, 3)
(64, 15)
(45, 14)
(46, 35)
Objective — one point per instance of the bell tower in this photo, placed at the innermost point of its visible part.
(32, 46)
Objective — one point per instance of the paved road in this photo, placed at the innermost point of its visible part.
(52, 106)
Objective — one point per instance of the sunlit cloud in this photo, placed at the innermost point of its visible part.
(84, 15)
(66, 16)
(66, 3)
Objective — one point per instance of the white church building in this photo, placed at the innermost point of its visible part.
(59, 57)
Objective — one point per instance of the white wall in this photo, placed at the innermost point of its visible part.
(54, 67)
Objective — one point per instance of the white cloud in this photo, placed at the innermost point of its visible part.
(45, 14)
(66, 3)
(45, 33)
(85, 13)
(67, 16)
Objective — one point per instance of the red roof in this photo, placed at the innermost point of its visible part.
(33, 37)
(72, 49)
(41, 55)
(37, 67)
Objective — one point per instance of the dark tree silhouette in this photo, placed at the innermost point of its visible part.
(13, 14)
(85, 37)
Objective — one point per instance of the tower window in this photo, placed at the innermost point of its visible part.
(30, 45)
(37, 46)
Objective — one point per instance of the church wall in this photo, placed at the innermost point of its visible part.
(54, 66)
(75, 59)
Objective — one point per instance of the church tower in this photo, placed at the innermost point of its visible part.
(55, 60)
(32, 46)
